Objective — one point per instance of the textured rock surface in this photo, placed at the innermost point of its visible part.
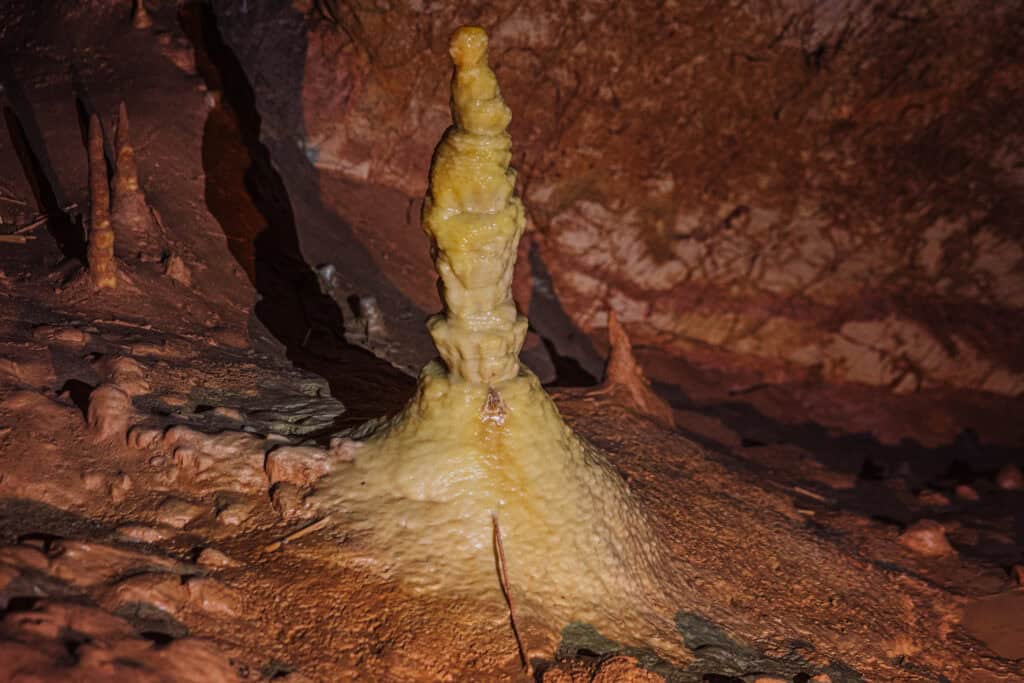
(785, 537)
(800, 189)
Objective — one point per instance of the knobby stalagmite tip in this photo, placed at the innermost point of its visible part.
(100, 253)
(475, 220)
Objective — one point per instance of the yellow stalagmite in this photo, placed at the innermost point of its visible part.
(481, 442)
(100, 254)
(475, 221)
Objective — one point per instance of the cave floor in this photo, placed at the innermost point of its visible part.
(142, 539)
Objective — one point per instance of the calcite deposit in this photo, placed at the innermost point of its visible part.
(480, 459)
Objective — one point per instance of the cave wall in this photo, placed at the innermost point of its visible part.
(797, 189)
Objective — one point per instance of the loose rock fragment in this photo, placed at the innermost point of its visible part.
(300, 465)
(210, 595)
(143, 437)
(927, 537)
(51, 620)
(211, 557)
(233, 414)
(168, 348)
(142, 533)
(126, 373)
(174, 400)
(32, 372)
(192, 461)
(164, 591)
(177, 513)
(1010, 478)
(24, 557)
(1017, 573)
(625, 669)
(230, 338)
(175, 268)
(933, 498)
(288, 501)
(93, 481)
(235, 514)
(230, 461)
(115, 485)
(120, 485)
(966, 492)
(70, 336)
(110, 412)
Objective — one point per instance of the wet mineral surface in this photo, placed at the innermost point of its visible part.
(158, 438)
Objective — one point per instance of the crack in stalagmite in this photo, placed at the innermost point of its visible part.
(481, 438)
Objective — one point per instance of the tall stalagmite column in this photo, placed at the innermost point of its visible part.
(475, 221)
(130, 212)
(100, 254)
(481, 446)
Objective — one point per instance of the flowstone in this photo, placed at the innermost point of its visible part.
(481, 450)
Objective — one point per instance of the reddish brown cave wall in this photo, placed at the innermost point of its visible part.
(800, 189)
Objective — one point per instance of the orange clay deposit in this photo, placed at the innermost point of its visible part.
(204, 479)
